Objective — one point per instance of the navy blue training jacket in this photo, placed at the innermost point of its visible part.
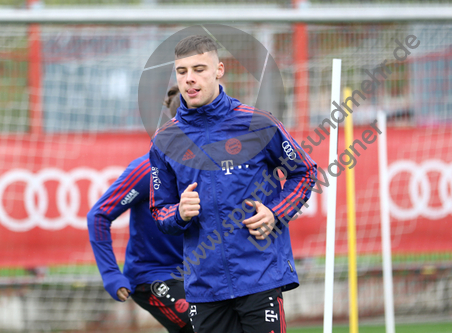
(150, 255)
(231, 150)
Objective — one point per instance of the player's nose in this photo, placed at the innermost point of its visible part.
(190, 77)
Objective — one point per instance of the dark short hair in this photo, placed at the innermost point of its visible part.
(194, 44)
(172, 100)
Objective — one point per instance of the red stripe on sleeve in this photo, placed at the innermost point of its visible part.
(285, 203)
(309, 166)
(127, 187)
(96, 227)
(108, 203)
(151, 188)
(280, 208)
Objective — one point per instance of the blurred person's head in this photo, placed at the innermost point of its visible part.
(172, 100)
(198, 70)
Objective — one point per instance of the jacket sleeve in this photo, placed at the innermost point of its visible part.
(298, 170)
(164, 196)
(129, 189)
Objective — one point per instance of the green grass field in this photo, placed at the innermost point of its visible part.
(419, 260)
(405, 328)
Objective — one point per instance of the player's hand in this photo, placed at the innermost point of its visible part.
(261, 224)
(123, 294)
(189, 203)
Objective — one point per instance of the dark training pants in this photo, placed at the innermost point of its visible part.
(257, 313)
(169, 307)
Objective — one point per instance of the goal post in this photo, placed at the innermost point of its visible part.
(331, 217)
(385, 224)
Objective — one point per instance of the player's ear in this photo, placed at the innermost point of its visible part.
(220, 70)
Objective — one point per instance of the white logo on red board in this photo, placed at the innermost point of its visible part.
(67, 198)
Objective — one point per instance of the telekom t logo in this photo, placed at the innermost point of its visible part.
(271, 316)
(227, 165)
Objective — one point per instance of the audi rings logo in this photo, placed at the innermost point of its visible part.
(420, 189)
(288, 150)
(68, 197)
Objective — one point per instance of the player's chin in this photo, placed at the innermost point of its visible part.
(196, 104)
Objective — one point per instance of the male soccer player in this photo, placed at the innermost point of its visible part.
(151, 257)
(237, 250)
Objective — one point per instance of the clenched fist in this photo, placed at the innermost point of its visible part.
(189, 203)
(123, 294)
(261, 224)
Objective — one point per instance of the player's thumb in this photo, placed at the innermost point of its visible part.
(252, 203)
(191, 187)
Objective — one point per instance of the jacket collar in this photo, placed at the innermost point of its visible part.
(213, 112)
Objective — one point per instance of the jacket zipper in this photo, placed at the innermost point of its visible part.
(215, 206)
(290, 265)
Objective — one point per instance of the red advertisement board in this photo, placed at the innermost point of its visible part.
(48, 183)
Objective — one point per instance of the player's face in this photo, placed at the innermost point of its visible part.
(198, 78)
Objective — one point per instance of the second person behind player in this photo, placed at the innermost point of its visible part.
(151, 257)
